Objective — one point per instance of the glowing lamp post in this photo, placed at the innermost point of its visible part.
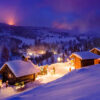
(59, 59)
(30, 53)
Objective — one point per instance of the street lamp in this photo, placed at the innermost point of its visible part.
(59, 59)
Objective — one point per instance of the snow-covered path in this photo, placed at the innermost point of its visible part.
(60, 70)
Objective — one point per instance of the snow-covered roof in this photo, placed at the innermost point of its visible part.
(86, 55)
(21, 68)
(97, 48)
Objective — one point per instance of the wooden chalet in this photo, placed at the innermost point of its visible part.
(82, 59)
(18, 71)
(95, 50)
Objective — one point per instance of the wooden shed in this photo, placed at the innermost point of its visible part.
(18, 70)
(95, 50)
(82, 59)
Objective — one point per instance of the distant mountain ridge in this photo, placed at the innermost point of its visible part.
(35, 32)
(28, 31)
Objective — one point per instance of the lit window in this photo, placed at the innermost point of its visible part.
(9, 75)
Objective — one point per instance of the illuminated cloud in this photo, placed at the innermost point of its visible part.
(64, 25)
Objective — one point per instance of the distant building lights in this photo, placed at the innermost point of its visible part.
(59, 59)
(30, 53)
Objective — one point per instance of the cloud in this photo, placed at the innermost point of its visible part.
(62, 25)
(89, 22)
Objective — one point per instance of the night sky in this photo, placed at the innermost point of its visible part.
(81, 15)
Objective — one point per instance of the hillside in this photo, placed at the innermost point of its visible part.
(83, 84)
(19, 40)
(30, 36)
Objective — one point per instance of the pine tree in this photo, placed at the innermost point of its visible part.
(63, 57)
(52, 59)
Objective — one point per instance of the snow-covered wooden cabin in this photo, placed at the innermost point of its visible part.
(95, 50)
(84, 58)
(18, 70)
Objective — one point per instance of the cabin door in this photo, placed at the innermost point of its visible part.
(33, 77)
(4, 77)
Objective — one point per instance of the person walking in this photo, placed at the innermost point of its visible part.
(54, 70)
(6, 83)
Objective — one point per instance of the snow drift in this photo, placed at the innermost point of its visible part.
(83, 84)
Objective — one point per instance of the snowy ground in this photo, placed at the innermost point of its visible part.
(61, 70)
(9, 91)
(26, 41)
(83, 84)
(5, 92)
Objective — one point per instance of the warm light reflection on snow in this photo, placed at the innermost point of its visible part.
(48, 78)
(30, 53)
(60, 70)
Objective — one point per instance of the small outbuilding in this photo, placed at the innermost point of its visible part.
(95, 50)
(82, 59)
(18, 71)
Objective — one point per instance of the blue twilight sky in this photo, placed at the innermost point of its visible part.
(82, 15)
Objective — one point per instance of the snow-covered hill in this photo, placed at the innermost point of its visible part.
(33, 35)
(83, 84)
(28, 35)
(18, 39)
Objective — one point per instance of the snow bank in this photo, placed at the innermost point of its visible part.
(10, 91)
(83, 84)
(5, 92)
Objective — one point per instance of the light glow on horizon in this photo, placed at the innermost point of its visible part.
(11, 22)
